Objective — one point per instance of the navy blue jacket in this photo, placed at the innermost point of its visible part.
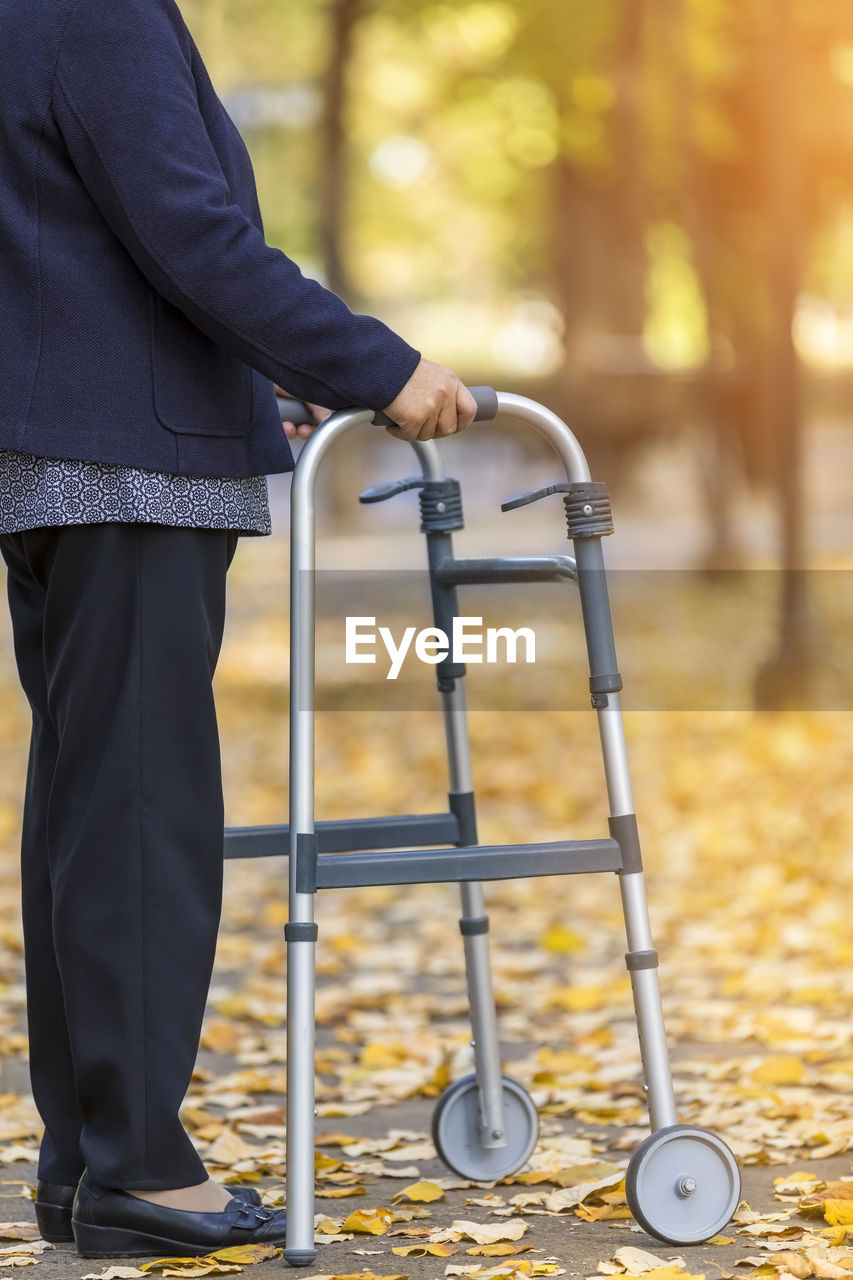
(143, 317)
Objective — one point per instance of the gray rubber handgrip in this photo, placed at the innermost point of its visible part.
(295, 411)
(487, 407)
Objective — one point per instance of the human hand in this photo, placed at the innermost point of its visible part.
(320, 414)
(434, 402)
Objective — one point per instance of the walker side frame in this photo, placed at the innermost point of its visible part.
(683, 1183)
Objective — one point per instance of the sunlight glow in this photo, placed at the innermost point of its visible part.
(400, 161)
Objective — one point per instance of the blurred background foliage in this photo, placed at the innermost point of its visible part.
(639, 212)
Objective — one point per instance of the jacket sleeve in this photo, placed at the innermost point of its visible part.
(125, 102)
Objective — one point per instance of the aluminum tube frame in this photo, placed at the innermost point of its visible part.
(478, 964)
(300, 1250)
(645, 986)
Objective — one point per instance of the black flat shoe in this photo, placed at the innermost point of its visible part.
(53, 1208)
(108, 1222)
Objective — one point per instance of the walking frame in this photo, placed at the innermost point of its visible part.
(682, 1183)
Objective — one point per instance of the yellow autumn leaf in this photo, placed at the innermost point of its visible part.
(427, 1249)
(190, 1266)
(500, 1250)
(327, 1227)
(562, 940)
(576, 1174)
(221, 1036)
(838, 1213)
(246, 1253)
(668, 1273)
(373, 1222)
(358, 1275)
(376, 1055)
(796, 1264)
(788, 1179)
(203, 1269)
(577, 999)
(780, 1069)
(322, 1163)
(834, 1236)
(602, 1212)
(420, 1193)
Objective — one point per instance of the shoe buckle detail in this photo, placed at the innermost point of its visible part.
(257, 1213)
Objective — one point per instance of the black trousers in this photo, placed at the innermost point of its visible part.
(117, 630)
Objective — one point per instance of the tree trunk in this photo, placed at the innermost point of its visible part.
(345, 475)
(344, 15)
(788, 675)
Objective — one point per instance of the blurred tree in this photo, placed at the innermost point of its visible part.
(622, 162)
(334, 203)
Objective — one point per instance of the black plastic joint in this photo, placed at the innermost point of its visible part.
(605, 684)
(599, 701)
(624, 831)
(447, 672)
(306, 862)
(441, 506)
(300, 933)
(471, 926)
(461, 805)
(588, 513)
(641, 960)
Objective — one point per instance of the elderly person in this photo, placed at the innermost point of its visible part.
(144, 323)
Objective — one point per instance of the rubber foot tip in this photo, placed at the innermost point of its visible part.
(300, 1257)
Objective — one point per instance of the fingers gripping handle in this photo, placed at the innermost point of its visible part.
(299, 414)
(487, 407)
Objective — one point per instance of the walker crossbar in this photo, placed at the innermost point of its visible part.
(338, 836)
(339, 862)
(441, 866)
(683, 1183)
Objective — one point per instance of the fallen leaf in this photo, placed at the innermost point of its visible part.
(426, 1249)
(420, 1193)
(374, 1222)
(482, 1232)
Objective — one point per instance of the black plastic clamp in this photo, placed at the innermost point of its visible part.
(588, 513)
(471, 926)
(641, 960)
(300, 932)
(441, 500)
(461, 805)
(623, 829)
(441, 506)
(307, 852)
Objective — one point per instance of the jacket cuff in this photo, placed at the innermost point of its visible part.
(391, 373)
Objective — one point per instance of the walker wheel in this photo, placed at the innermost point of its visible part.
(682, 1184)
(456, 1131)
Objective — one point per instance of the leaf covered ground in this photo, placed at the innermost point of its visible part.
(747, 831)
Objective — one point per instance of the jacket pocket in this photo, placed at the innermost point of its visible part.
(200, 389)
